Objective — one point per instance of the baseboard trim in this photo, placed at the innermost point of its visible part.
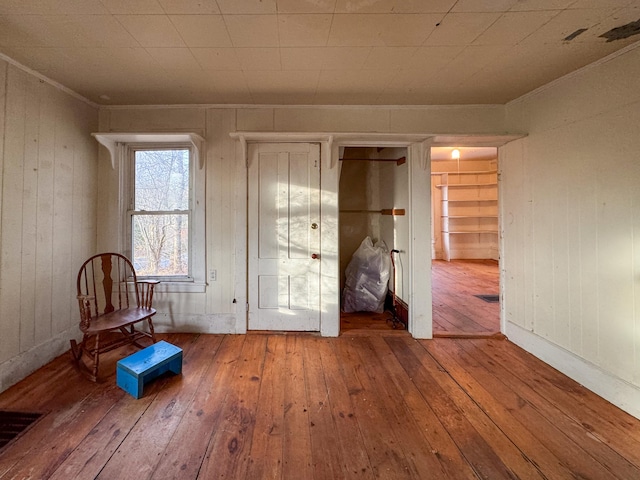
(24, 364)
(613, 389)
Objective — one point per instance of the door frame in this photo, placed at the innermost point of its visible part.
(419, 209)
(418, 150)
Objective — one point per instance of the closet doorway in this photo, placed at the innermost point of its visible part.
(373, 202)
(465, 241)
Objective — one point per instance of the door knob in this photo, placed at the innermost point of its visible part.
(315, 256)
(314, 226)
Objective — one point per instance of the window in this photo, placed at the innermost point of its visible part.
(160, 212)
(161, 206)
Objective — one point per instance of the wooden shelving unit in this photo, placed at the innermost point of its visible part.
(469, 212)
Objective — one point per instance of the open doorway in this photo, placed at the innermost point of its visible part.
(465, 241)
(373, 199)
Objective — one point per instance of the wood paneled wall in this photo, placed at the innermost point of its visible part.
(221, 308)
(571, 218)
(48, 217)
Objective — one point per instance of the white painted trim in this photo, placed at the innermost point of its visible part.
(330, 297)
(111, 140)
(501, 248)
(297, 107)
(51, 82)
(351, 139)
(241, 297)
(329, 240)
(22, 365)
(617, 391)
(419, 211)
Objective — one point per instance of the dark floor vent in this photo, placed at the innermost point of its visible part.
(13, 424)
(489, 298)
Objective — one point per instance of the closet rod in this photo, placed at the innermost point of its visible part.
(399, 161)
(384, 211)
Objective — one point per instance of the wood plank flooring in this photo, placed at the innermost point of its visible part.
(299, 406)
(456, 309)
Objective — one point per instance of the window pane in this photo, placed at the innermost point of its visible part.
(161, 244)
(161, 180)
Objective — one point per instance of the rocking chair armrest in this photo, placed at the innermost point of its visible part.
(146, 292)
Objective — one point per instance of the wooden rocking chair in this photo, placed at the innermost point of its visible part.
(112, 300)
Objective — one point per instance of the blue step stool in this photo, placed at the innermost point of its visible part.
(138, 369)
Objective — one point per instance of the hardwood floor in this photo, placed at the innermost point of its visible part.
(299, 406)
(457, 312)
(456, 309)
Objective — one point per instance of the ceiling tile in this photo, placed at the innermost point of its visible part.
(331, 58)
(152, 30)
(104, 31)
(390, 58)
(259, 58)
(202, 30)
(232, 86)
(189, 6)
(621, 17)
(568, 22)
(111, 59)
(252, 30)
(305, 30)
(513, 27)
(52, 7)
(306, 6)
(430, 58)
(471, 60)
(532, 5)
(601, 3)
(287, 87)
(461, 28)
(394, 6)
(320, 51)
(477, 6)
(137, 7)
(242, 7)
(62, 30)
(175, 59)
(23, 31)
(301, 58)
(410, 79)
(217, 58)
(382, 30)
(349, 82)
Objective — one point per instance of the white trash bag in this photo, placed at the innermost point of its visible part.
(367, 278)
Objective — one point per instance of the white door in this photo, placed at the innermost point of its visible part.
(284, 236)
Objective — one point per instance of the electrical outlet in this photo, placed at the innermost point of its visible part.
(213, 275)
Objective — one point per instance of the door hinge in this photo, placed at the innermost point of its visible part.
(247, 306)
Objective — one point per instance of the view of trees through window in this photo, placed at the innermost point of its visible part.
(160, 216)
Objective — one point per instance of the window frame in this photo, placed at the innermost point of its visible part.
(195, 280)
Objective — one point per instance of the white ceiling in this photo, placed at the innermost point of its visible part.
(329, 52)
